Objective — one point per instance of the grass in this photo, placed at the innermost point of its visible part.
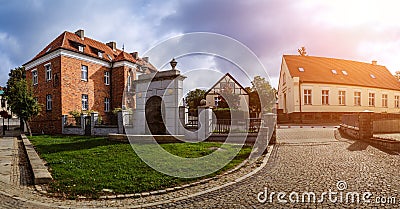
(92, 167)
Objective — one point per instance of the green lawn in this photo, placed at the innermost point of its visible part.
(87, 165)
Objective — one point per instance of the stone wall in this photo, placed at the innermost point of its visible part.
(361, 129)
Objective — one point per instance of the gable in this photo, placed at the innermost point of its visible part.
(227, 82)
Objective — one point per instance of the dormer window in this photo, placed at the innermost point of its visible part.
(80, 48)
(372, 75)
(334, 72)
(301, 69)
(100, 54)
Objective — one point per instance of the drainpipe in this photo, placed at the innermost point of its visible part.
(301, 115)
(111, 97)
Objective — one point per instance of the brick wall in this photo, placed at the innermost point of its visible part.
(73, 86)
(119, 83)
(118, 80)
(66, 88)
(47, 121)
(310, 117)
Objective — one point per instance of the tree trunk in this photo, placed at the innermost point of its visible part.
(28, 127)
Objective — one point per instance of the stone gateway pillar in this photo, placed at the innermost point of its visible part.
(157, 104)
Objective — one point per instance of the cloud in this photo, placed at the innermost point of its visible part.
(356, 30)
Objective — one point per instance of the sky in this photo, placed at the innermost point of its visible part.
(345, 29)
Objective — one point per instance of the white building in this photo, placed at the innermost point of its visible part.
(318, 89)
(227, 83)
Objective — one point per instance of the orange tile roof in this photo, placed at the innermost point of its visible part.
(319, 70)
(67, 39)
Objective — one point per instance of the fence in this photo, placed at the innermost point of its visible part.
(10, 122)
(223, 126)
(72, 122)
(110, 120)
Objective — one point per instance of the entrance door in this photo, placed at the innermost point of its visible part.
(88, 126)
(154, 117)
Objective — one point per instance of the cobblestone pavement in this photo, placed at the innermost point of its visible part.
(304, 160)
(311, 160)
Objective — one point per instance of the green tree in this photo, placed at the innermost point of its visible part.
(262, 96)
(20, 97)
(194, 97)
(228, 100)
(254, 101)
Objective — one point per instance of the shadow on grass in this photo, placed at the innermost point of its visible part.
(80, 143)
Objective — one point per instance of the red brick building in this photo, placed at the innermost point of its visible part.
(75, 72)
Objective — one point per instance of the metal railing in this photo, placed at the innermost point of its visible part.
(73, 122)
(224, 126)
(11, 121)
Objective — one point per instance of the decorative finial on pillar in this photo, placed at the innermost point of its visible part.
(173, 63)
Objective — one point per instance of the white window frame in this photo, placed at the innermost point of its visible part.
(129, 82)
(357, 98)
(216, 100)
(81, 48)
(84, 72)
(100, 54)
(307, 96)
(384, 100)
(85, 102)
(106, 104)
(34, 77)
(397, 101)
(48, 72)
(342, 97)
(49, 102)
(371, 99)
(107, 77)
(325, 97)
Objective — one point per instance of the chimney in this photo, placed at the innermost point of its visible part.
(80, 33)
(374, 62)
(146, 59)
(112, 45)
(135, 55)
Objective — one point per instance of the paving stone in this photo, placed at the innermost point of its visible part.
(303, 161)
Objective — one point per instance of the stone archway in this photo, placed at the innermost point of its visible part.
(154, 116)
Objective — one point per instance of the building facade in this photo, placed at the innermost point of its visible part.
(318, 89)
(228, 84)
(77, 73)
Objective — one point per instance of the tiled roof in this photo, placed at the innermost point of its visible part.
(69, 41)
(320, 70)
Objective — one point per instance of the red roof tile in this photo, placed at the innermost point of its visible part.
(67, 40)
(319, 70)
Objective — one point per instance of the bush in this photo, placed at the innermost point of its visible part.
(225, 113)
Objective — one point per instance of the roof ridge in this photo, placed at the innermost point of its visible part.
(332, 58)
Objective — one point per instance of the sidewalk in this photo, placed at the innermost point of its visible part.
(7, 151)
(6, 157)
